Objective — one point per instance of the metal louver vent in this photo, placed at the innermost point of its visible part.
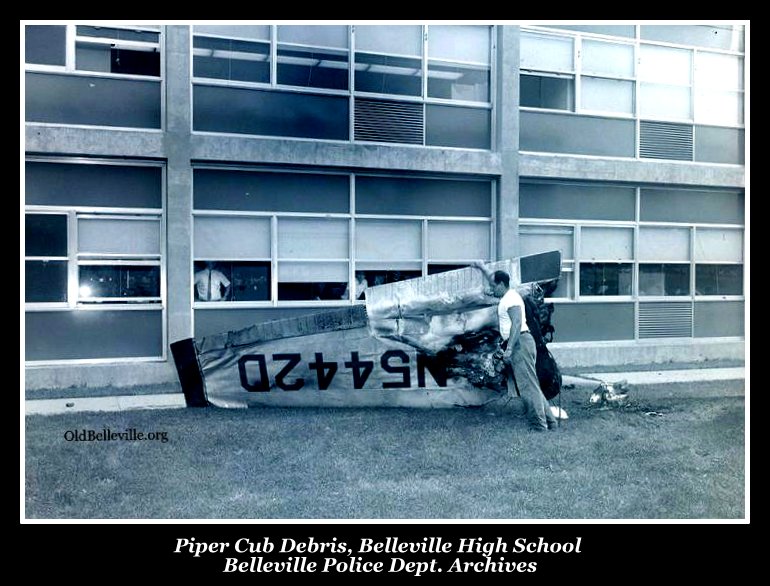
(665, 320)
(662, 140)
(387, 121)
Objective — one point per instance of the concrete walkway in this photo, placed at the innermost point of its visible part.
(176, 400)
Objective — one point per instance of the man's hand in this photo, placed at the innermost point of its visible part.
(477, 264)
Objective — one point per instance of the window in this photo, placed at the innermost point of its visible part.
(536, 239)
(716, 279)
(313, 56)
(607, 77)
(116, 50)
(664, 279)
(45, 45)
(665, 83)
(407, 90)
(718, 89)
(46, 258)
(605, 279)
(118, 258)
(300, 253)
(124, 50)
(459, 61)
(547, 72)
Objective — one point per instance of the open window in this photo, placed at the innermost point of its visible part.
(117, 50)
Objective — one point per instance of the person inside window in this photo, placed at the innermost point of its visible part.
(211, 284)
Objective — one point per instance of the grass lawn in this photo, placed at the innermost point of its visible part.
(658, 458)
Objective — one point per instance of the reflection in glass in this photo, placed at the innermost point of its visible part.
(605, 278)
(115, 282)
(664, 279)
(312, 67)
(719, 279)
(387, 74)
(45, 281)
(231, 59)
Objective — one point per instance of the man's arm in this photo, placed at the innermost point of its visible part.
(488, 274)
(515, 314)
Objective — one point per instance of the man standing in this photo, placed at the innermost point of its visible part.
(209, 283)
(519, 350)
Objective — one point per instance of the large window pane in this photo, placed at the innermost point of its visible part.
(312, 238)
(536, 239)
(422, 197)
(664, 279)
(719, 71)
(314, 35)
(606, 244)
(270, 113)
(313, 67)
(459, 43)
(388, 240)
(256, 32)
(219, 189)
(231, 59)
(546, 53)
(576, 202)
(721, 36)
(664, 101)
(715, 245)
(455, 126)
(102, 281)
(609, 59)
(719, 107)
(691, 206)
(92, 185)
(541, 91)
(455, 81)
(45, 235)
(392, 39)
(664, 243)
(608, 95)
(605, 279)
(665, 65)
(232, 238)
(388, 74)
(45, 45)
(109, 236)
(457, 241)
(45, 281)
(719, 279)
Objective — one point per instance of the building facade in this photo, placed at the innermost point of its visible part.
(186, 180)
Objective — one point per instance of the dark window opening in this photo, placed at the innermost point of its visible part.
(555, 93)
(231, 59)
(719, 279)
(664, 279)
(322, 68)
(102, 58)
(45, 235)
(385, 74)
(374, 278)
(45, 281)
(434, 269)
(312, 291)
(605, 278)
(118, 282)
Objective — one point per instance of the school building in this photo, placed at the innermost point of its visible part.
(290, 159)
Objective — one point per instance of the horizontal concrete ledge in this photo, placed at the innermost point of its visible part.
(346, 155)
(96, 404)
(655, 377)
(118, 374)
(103, 142)
(644, 353)
(547, 165)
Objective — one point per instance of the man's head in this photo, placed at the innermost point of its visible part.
(500, 283)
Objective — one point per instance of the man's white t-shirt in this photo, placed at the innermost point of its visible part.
(510, 299)
(209, 284)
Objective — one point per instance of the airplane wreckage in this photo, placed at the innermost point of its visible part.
(423, 342)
